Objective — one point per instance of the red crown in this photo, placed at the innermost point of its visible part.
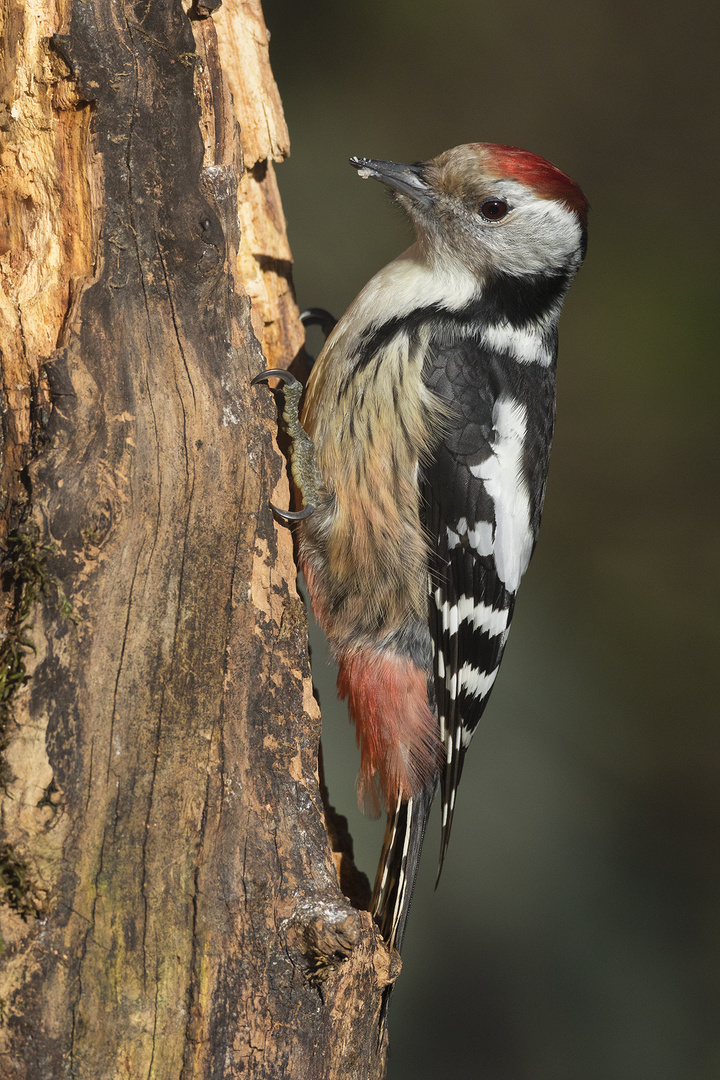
(535, 172)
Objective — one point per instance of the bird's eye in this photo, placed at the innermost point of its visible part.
(493, 209)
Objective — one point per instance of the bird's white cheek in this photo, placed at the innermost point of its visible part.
(542, 237)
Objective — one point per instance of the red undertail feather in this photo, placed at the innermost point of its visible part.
(396, 730)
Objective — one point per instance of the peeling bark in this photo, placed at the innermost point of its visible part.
(161, 797)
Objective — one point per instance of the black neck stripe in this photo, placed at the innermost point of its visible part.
(518, 301)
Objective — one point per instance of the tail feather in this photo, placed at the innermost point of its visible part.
(399, 862)
(450, 780)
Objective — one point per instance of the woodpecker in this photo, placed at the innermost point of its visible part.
(422, 459)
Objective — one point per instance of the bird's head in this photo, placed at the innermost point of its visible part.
(495, 209)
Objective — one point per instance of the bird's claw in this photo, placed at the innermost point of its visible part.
(275, 373)
(293, 515)
(317, 316)
(302, 451)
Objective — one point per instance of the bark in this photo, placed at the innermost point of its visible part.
(170, 900)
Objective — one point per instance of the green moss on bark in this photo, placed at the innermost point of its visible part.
(17, 887)
(26, 579)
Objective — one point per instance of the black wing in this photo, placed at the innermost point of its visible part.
(481, 497)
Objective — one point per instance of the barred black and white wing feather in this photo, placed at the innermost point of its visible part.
(481, 499)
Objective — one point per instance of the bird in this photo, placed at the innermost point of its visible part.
(421, 456)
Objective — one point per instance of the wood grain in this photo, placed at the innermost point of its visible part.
(161, 756)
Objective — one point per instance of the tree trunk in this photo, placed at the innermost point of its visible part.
(170, 901)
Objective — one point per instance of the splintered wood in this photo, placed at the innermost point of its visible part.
(47, 226)
(239, 88)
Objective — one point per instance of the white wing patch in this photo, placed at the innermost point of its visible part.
(526, 346)
(502, 475)
(480, 537)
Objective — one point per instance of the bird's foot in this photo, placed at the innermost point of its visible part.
(317, 316)
(303, 466)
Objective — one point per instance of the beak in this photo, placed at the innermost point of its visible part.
(405, 179)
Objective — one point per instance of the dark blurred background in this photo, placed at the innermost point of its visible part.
(575, 931)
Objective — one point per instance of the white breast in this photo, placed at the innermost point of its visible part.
(404, 285)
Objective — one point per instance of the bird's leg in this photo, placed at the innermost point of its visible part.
(303, 466)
